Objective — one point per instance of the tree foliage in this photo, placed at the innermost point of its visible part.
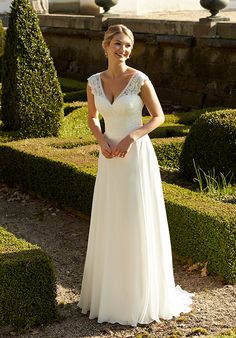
(32, 98)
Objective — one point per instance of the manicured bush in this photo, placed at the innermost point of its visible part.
(203, 229)
(168, 151)
(71, 106)
(2, 43)
(50, 169)
(188, 118)
(71, 85)
(211, 143)
(27, 283)
(170, 130)
(31, 94)
(76, 124)
(200, 227)
(9, 136)
(79, 95)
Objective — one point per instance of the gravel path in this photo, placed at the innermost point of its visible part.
(63, 236)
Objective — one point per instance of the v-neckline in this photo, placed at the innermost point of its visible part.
(121, 92)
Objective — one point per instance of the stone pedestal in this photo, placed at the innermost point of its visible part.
(40, 6)
(88, 7)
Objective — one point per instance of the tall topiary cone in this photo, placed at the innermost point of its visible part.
(31, 94)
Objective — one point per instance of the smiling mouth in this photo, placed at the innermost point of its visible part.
(120, 55)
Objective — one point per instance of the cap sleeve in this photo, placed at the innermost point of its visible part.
(95, 84)
(91, 83)
(140, 81)
(143, 78)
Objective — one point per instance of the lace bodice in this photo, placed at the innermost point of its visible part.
(124, 114)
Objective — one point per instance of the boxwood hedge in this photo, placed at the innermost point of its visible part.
(27, 283)
(31, 94)
(168, 151)
(200, 228)
(211, 143)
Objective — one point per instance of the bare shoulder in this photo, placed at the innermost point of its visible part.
(132, 70)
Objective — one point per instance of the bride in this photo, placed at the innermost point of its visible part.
(128, 274)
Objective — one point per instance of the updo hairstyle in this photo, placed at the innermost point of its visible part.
(116, 29)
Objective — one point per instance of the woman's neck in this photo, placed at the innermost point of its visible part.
(116, 70)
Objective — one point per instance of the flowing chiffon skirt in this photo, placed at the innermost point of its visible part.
(128, 275)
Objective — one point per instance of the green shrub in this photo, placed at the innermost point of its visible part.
(188, 118)
(203, 229)
(31, 94)
(170, 130)
(27, 283)
(2, 43)
(56, 170)
(79, 95)
(168, 151)
(69, 107)
(167, 129)
(76, 124)
(70, 85)
(6, 136)
(73, 90)
(200, 227)
(211, 143)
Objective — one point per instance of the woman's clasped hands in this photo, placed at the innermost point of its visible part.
(121, 149)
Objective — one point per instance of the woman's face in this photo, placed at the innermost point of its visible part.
(120, 47)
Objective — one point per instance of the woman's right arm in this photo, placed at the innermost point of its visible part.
(94, 125)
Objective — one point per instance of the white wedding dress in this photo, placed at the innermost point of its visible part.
(128, 274)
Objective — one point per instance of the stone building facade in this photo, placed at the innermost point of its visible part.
(191, 64)
(134, 6)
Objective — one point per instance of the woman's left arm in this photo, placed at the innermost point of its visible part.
(151, 101)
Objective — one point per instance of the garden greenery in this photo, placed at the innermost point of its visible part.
(213, 185)
(2, 43)
(200, 227)
(31, 95)
(27, 283)
(64, 169)
(211, 143)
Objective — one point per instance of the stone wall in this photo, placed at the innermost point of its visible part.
(191, 64)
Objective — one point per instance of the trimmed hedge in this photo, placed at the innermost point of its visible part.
(200, 227)
(76, 124)
(79, 116)
(73, 90)
(211, 142)
(188, 118)
(59, 179)
(168, 151)
(2, 43)
(31, 94)
(170, 130)
(27, 283)
(79, 95)
(71, 85)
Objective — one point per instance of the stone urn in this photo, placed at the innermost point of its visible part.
(214, 6)
(106, 4)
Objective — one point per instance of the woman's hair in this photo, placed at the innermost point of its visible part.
(116, 29)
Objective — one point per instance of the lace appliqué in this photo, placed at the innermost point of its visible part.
(135, 84)
(94, 83)
(133, 87)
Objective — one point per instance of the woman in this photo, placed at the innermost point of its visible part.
(128, 274)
